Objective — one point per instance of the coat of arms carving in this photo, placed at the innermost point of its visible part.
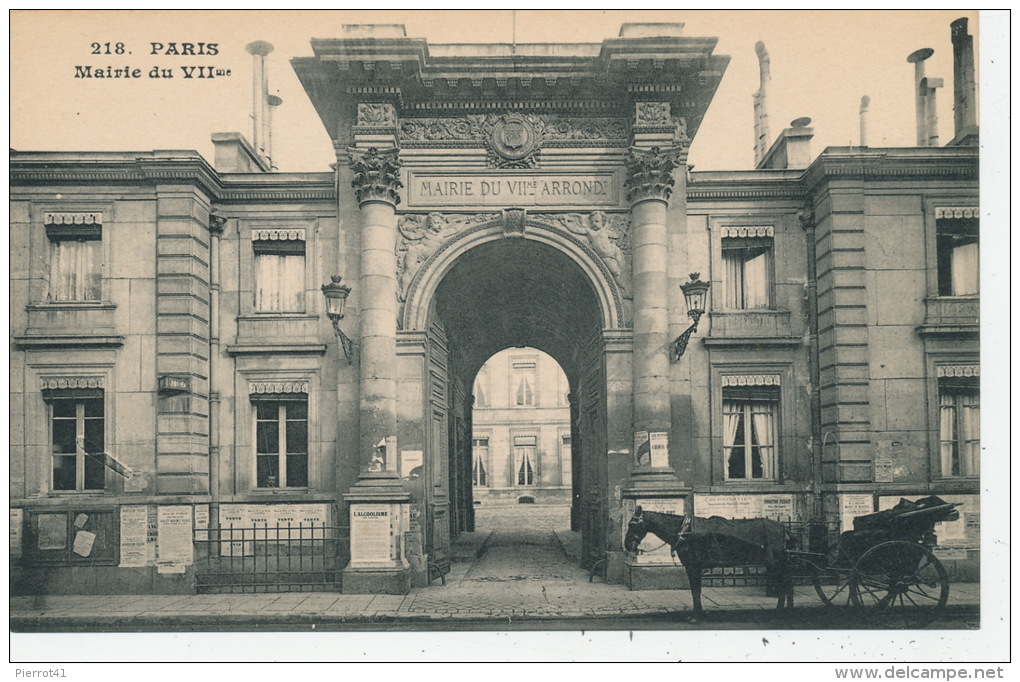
(514, 142)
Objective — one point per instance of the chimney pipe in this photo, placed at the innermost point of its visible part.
(865, 103)
(964, 95)
(260, 93)
(761, 115)
(273, 101)
(930, 85)
(920, 95)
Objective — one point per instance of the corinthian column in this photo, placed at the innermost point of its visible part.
(376, 184)
(649, 184)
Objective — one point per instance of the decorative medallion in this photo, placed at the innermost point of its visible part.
(513, 143)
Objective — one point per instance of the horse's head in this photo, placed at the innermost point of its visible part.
(636, 531)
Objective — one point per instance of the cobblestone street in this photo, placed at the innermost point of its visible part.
(526, 567)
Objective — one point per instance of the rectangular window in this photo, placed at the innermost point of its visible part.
(480, 468)
(279, 270)
(747, 269)
(524, 459)
(566, 461)
(281, 443)
(525, 383)
(750, 428)
(77, 439)
(957, 247)
(76, 256)
(959, 426)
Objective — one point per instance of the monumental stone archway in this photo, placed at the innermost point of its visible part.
(503, 196)
(509, 281)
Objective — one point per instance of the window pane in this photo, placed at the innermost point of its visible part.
(279, 282)
(267, 437)
(965, 269)
(95, 472)
(735, 467)
(64, 472)
(74, 270)
(267, 410)
(297, 436)
(94, 438)
(94, 407)
(268, 471)
(63, 408)
(297, 471)
(91, 275)
(297, 409)
(756, 281)
(757, 471)
(64, 431)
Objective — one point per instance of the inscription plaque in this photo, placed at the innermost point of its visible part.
(504, 189)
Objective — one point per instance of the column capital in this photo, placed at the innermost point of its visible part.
(376, 174)
(650, 173)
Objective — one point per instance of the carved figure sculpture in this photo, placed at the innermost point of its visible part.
(422, 235)
(606, 240)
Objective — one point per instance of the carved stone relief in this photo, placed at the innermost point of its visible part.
(514, 142)
(381, 115)
(652, 114)
(478, 127)
(608, 235)
(421, 235)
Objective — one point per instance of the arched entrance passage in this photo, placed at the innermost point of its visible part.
(482, 296)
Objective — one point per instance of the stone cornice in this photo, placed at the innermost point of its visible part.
(920, 163)
(88, 169)
(68, 341)
(260, 348)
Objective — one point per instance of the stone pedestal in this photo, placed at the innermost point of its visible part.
(654, 567)
(380, 518)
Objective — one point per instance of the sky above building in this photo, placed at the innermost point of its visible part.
(822, 63)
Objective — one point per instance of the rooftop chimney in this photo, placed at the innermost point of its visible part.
(865, 103)
(792, 148)
(260, 95)
(964, 94)
(761, 115)
(922, 98)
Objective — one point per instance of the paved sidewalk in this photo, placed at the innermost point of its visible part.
(510, 573)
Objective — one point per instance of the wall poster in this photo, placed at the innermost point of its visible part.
(134, 533)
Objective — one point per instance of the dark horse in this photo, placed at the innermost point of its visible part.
(709, 543)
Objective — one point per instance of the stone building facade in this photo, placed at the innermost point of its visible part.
(176, 371)
(521, 447)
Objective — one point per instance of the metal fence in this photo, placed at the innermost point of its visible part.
(260, 558)
(810, 536)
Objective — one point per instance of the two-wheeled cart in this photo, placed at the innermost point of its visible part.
(886, 562)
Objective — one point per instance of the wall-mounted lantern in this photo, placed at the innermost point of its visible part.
(336, 300)
(695, 293)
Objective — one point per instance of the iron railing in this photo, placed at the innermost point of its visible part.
(261, 558)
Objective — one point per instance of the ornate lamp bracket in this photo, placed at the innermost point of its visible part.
(336, 298)
(695, 292)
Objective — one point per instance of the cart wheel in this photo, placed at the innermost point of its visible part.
(831, 580)
(904, 576)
